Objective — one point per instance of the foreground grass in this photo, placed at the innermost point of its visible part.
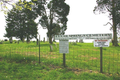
(83, 62)
(29, 69)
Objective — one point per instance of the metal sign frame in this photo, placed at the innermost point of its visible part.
(101, 43)
(63, 46)
(84, 36)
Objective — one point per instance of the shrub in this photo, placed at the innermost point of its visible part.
(5, 40)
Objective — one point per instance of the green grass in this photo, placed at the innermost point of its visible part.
(29, 69)
(20, 61)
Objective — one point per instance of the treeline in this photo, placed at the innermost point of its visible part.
(52, 14)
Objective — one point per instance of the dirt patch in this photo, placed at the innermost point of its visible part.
(49, 57)
(75, 70)
(26, 53)
(93, 58)
(78, 71)
(30, 53)
(34, 62)
(51, 53)
(52, 67)
(53, 57)
(83, 56)
(95, 49)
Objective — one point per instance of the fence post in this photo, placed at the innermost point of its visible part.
(39, 49)
(64, 59)
(101, 60)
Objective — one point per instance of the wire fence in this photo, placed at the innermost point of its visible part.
(82, 57)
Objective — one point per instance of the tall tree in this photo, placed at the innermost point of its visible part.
(53, 15)
(20, 24)
(113, 7)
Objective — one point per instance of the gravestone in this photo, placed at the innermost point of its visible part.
(55, 45)
(18, 41)
(119, 40)
(54, 40)
(44, 39)
(41, 41)
(81, 41)
(47, 39)
(76, 41)
(15, 41)
(51, 48)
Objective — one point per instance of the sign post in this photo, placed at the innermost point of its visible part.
(101, 60)
(39, 49)
(64, 48)
(64, 59)
(101, 43)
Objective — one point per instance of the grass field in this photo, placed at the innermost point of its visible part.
(20, 61)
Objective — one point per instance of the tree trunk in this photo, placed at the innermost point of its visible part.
(44, 39)
(114, 42)
(50, 39)
(10, 40)
(22, 39)
(37, 41)
(50, 26)
(28, 39)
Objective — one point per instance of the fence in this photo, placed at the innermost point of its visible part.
(82, 57)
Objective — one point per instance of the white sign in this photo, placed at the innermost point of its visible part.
(63, 46)
(84, 36)
(101, 43)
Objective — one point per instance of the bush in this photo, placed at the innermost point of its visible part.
(5, 40)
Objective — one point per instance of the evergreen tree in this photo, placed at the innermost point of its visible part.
(21, 24)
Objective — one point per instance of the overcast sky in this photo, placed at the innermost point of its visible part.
(81, 19)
